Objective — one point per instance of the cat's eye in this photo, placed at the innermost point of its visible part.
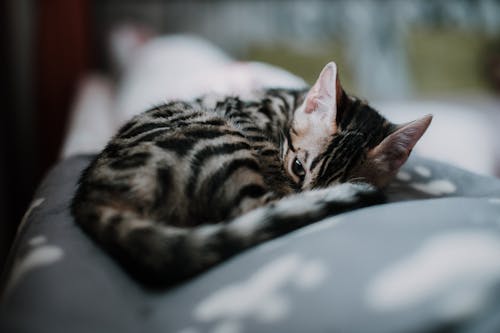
(298, 169)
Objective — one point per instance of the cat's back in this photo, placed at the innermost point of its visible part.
(178, 163)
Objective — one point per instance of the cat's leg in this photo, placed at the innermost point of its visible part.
(211, 244)
(298, 210)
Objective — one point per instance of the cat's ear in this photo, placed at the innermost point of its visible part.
(322, 100)
(394, 150)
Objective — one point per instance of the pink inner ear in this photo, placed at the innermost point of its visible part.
(323, 93)
(311, 104)
(394, 150)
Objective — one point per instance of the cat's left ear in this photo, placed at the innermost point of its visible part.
(394, 150)
(324, 97)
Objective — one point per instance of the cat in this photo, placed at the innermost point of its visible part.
(185, 185)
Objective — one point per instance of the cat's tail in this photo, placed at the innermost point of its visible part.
(162, 255)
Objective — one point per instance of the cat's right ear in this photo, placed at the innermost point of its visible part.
(383, 161)
(324, 97)
(394, 150)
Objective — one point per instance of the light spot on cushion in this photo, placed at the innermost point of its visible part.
(37, 240)
(34, 204)
(422, 171)
(436, 187)
(403, 176)
(274, 309)
(246, 298)
(454, 270)
(311, 275)
(263, 296)
(39, 257)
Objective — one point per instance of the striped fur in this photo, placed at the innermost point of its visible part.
(186, 185)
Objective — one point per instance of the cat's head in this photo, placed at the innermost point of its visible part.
(336, 138)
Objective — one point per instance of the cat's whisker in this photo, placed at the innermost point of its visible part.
(358, 180)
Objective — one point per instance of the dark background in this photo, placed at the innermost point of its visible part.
(46, 52)
(387, 49)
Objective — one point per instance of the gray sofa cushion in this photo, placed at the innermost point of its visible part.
(429, 260)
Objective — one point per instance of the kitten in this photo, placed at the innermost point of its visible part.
(184, 186)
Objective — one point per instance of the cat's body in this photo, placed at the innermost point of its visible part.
(186, 185)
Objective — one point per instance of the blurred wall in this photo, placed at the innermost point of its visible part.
(17, 167)
(62, 60)
(47, 47)
(4, 95)
(385, 48)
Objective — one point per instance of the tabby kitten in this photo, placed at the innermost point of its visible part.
(184, 186)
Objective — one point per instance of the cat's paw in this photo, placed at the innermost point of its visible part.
(368, 193)
(357, 194)
(338, 198)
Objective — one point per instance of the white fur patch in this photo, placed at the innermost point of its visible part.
(403, 176)
(423, 171)
(295, 205)
(457, 269)
(262, 296)
(247, 223)
(435, 187)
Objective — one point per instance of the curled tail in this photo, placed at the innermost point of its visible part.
(162, 255)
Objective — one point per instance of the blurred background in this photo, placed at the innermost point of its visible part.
(440, 57)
